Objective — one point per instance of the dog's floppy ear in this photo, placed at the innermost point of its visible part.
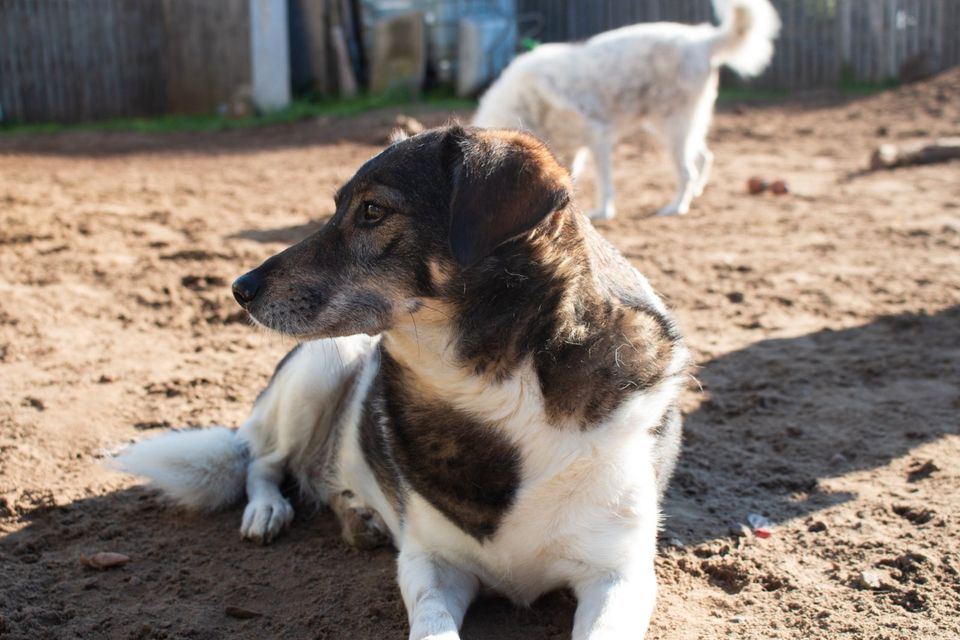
(504, 184)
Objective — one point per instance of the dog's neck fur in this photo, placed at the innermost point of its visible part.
(535, 310)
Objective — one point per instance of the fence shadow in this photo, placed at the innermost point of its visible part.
(779, 419)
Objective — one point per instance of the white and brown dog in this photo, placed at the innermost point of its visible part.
(482, 380)
(662, 77)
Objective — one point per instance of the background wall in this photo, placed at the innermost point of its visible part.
(822, 41)
(75, 60)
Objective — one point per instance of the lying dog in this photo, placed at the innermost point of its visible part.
(582, 98)
(483, 380)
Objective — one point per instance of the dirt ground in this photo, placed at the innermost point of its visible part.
(826, 325)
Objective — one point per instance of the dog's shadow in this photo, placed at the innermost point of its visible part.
(781, 418)
(776, 422)
(282, 235)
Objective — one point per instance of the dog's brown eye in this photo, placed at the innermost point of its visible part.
(373, 213)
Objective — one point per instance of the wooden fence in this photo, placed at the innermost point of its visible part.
(822, 41)
(74, 60)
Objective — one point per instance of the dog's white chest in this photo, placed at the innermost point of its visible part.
(584, 500)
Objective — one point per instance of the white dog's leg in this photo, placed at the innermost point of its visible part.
(267, 512)
(705, 162)
(436, 595)
(579, 163)
(602, 149)
(683, 157)
(615, 607)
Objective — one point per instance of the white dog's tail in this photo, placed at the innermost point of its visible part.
(202, 469)
(744, 39)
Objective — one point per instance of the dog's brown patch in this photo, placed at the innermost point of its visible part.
(592, 344)
(464, 468)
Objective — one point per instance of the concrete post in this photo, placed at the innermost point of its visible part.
(270, 54)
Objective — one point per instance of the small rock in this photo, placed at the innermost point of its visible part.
(735, 297)
(920, 471)
(817, 527)
(838, 459)
(134, 581)
(869, 580)
(241, 613)
(738, 619)
(36, 403)
(104, 560)
(916, 515)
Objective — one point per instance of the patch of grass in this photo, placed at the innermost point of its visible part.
(732, 93)
(855, 88)
(750, 94)
(296, 111)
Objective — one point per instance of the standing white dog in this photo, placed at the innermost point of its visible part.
(582, 98)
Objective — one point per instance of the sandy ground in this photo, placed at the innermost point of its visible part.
(826, 325)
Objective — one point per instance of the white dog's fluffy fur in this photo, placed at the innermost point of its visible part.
(582, 98)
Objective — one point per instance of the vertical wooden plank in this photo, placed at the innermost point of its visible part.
(84, 10)
(58, 45)
(69, 68)
(36, 101)
(41, 15)
(936, 21)
(9, 101)
(37, 71)
(93, 19)
(890, 55)
(126, 82)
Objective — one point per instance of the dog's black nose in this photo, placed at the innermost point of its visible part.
(246, 288)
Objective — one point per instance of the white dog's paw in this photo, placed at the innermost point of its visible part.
(672, 210)
(264, 519)
(434, 626)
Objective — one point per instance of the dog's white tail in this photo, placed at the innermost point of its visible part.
(202, 469)
(744, 39)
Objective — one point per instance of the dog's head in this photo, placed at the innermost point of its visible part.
(424, 209)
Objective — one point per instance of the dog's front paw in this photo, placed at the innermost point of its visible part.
(264, 519)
